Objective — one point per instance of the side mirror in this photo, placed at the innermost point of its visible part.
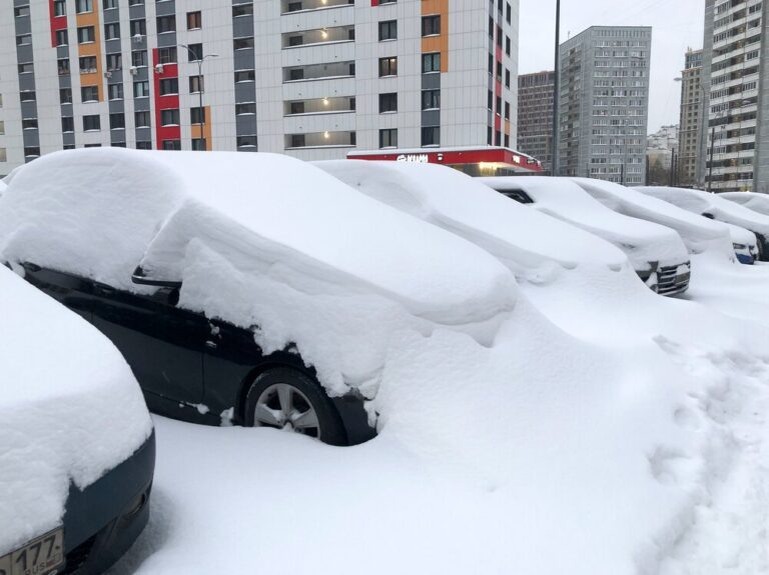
(140, 278)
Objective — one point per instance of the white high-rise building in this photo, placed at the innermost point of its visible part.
(312, 78)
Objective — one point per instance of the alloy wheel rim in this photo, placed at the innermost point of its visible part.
(283, 406)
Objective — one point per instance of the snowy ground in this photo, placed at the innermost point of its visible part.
(630, 439)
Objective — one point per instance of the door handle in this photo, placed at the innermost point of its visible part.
(211, 344)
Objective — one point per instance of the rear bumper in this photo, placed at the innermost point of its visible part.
(102, 521)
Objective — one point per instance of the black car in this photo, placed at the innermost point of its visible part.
(205, 370)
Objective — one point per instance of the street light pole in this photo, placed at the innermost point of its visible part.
(201, 112)
(556, 86)
(710, 168)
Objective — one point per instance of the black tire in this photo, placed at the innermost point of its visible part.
(329, 422)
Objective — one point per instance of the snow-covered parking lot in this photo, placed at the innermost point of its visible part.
(538, 411)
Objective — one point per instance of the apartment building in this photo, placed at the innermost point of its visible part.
(312, 78)
(736, 156)
(604, 102)
(535, 116)
(690, 125)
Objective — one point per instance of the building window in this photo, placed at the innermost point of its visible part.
(85, 34)
(116, 121)
(509, 13)
(21, 11)
(83, 6)
(297, 140)
(388, 30)
(388, 102)
(167, 55)
(91, 123)
(115, 91)
(109, 4)
(387, 2)
(245, 109)
(144, 145)
(242, 43)
(139, 58)
(388, 66)
(2, 127)
(172, 144)
(244, 76)
(197, 144)
(508, 45)
(29, 124)
(26, 68)
(142, 89)
(388, 138)
(194, 20)
(138, 27)
(88, 64)
(297, 108)
(243, 10)
(111, 31)
(135, 2)
(114, 61)
(63, 66)
(246, 142)
(62, 38)
(166, 24)
(507, 110)
(65, 96)
(169, 86)
(431, 99)
(507, 78)
(169, 117)
(32, 152)
(197, 115)
(195, 52)
(27, 96)
(142, 119)
(3, 155)
(431, 136)
(89, 94)
(24, 39)
(431, 62)
(431, 25)
(196, 84)
(59, 8)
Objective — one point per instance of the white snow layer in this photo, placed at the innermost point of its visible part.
(642, 241)
(698, 233)
(289, 244)
(533, 245)
(70, 409)
(756, 202)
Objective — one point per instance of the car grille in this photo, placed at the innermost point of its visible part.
(78, 556)
(669, 283)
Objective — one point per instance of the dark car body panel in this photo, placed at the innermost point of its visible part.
(189, 367)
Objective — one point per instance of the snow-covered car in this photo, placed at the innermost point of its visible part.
(717, 208)
(756, 202)
(699, 234)
(744, 243)
(657, 253)
(77, 447)
(244, 288)
(533, 246)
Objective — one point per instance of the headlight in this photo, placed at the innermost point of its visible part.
(739, 246)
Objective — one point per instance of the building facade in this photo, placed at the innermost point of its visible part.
(603, 104)
(690, 125)
(735, 156)
(535, 116)
(311, 78)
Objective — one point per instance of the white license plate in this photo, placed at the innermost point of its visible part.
(37, 557)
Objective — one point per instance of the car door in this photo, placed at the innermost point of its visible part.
(161, 342)
(73, 291)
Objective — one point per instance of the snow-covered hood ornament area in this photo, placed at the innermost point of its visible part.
(257, 240)
(70, 409)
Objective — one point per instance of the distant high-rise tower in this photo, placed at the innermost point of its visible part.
(535, 116)
(690, 125)
(604, 102)
(735, 151)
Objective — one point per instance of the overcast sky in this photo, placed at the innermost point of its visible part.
(677, 24)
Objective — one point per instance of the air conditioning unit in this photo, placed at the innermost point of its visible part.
(108, 74)
(137, 38)
(134, 70)
(158, 68)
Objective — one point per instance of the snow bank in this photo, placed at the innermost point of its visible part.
(700, 202)
(534, 246)
(756, 202)
(282, 235)
(70, 409)
(642, 241)
(698, 233)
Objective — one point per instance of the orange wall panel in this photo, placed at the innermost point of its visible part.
(92, 49)
(438, 43)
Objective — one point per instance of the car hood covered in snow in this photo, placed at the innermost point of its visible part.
(70, 409)
(221, 222)
(698, 233)
(756, 202)
(643, 242)
(700, 202)
(528, 243)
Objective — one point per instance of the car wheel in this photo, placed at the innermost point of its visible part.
(286, 399)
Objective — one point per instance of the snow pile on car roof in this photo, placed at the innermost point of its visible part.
(698, 233)
(275, 226)
(756, 202)
(701, 202)
(642, 241)
(70, 409)
(528, 243)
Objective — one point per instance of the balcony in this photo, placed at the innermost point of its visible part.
(319, 71)
(314, 106)
(320, 140)
(289, 6)
(318, 36)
